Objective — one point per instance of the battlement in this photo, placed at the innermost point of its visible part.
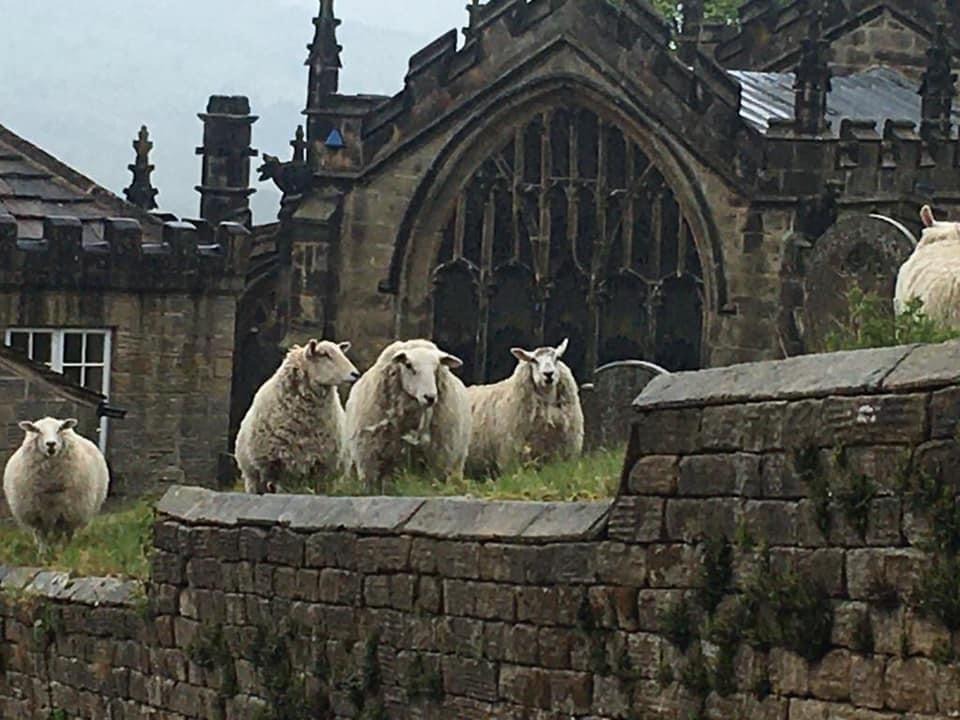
(71, 255)
(868, 159)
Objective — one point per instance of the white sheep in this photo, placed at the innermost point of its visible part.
(932, 272)
(408, 401)
(294, 427)
(531, 417)
(56, 481)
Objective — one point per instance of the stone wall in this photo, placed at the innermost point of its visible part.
(783, 547)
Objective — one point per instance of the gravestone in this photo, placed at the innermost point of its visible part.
(863, 251)
(607, 402)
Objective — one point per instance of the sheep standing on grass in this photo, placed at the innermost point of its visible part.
(932, 272)
(294, 427)
(409, 400)
(532, 416)
(56, 481)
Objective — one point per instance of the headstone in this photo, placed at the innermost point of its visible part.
(862, 250)
(607, 410)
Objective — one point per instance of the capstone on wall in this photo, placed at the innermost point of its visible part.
(779, 549)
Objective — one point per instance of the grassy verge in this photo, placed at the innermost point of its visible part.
(592, 477)
(115, 543)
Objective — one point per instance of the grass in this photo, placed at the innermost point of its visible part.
(115, 543)
(594, 476)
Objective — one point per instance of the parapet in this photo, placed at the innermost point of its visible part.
(71, 255)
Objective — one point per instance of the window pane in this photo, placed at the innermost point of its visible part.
(72, 347)
(41, 347)
(73, 374)
(94, 348)
(20, 341)
(94, 379)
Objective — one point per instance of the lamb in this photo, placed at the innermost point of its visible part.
(56, 481)
(531, 417)
(294, 427)
(408, 404)
(932, 272)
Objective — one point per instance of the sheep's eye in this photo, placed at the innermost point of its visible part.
(411, 368)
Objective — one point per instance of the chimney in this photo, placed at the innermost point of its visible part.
(937, 90)
(812, 84)
(225, 185)
(692, 18)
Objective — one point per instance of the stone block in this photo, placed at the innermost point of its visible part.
(637, 519)
(926, 366)
(383, 554)
(331, 550)
(559, 521)
(692, 520)
(621, 564)
(667, 432)
(501, 563)
(453, 559)
(876, 419)
(945, 414)
(726, 474)
(654, 475)
(750, 427)
(771, 521)
(779, 478)
(829, 679)
(472, 678)
(910, 685)
(285, 547)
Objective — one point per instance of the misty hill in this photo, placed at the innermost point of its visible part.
(79, 78)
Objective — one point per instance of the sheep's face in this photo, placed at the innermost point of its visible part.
(418, 372)
(325, 363)
(47, 434)
(937, 230)
(543, 365)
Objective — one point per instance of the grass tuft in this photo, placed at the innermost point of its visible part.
(113, 544)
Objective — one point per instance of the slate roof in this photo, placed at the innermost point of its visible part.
(878, 94)
(34, 185)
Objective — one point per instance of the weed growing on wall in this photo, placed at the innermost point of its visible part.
(809, 468)
(210, 651)
(855, 492)
(677, 624)
(424, 683)
(716, 572)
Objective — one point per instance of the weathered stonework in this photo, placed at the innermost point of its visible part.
(452, 608)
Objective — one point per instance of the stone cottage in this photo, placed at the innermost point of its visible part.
(693, 196)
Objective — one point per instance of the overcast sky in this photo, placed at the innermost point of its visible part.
(79, 77)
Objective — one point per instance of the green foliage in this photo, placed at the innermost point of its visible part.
(788, 610)
(761, 682)
(423, 683)
(716, 572)
(285, 689)
(855, 492)
(210, 651)
(58, 715)
(116, 543)
(870, 322)
(807, 464)
(664, 674)
(717, 10)
(695, 676)
(677, 624)
(938, 592)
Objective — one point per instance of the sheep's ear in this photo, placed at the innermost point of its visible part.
(68, 424)
(344, 347)
(522, 355)
(312, 348)
(29, 427)
(926, 215)
(400, 357)
(451, 361)
(562, 347)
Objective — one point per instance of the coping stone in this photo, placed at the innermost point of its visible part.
(853, 372)
(465, 518)
(568, 521)
(19, 577)
(363, 514)
(927, 366)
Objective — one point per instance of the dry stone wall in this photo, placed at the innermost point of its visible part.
(783, 547)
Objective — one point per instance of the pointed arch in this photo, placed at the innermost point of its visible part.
(590, 192)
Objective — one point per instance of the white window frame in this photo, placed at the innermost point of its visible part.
(57, 364)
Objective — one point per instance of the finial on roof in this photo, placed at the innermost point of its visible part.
(323, 61)
(812, 85)
(938, 88)
(299, 145)
(141, 193)
(473, 15)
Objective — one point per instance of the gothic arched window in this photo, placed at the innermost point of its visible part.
(568, 230)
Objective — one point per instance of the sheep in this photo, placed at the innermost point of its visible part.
(531, 417)
(293, 429)
(932, 272)
(56, 481)
(408, 403)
